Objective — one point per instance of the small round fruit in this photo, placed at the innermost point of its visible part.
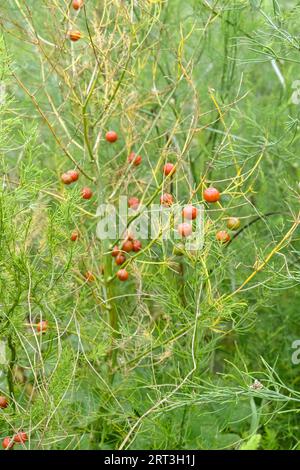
(127, 246)
(42, 326)
(136, 245)
(74, 175)
(190, 212)
(120, 259)
(86, 193)
(66, 178)
(74, 236)
(136, 159)
(166, 200)
(20, 437)
(3, 402)
(7, 443)
(185, 229)
(133, 203)
(211, 194)
(122, 275)
(77, 4)
(169, 168)
(74, 35)
(233, 223)
(111, 136)
(89, 276)
(223, 236)
(115, 251)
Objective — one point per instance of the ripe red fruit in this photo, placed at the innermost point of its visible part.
(66, 178)
(127, 246)
(190, 212)
(3, 402)
(133, 203)
(233, 223)
(42, 326)
(89, 276)
(21, 437)
(169, 168)
(166, 200)
(122, 275)
(136, 159)
(77, 4)
(74, 236)
(74, 35)
(136, 245)
(111, 136)
(211, 195)
(86, 193)
(185, 229)
(223, 236)
(120, 259)
(74, 175)
(7, 443)
(115, 251)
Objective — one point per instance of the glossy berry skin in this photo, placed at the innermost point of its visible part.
(211, 194)
(89, 276)
(20, 437)
(135, 159)
(3, 402)
(7, 443)
(74, 175)
(77, 4)
(233, 223)
(166, 200)
(74, 35)
(115, 251)
(223, 236)
(168, 169)
(122, 275)
(133, 203)
(111, 136)
(190, 212)
(136, 245)
(127, 246)
(66, 178)
(86, 193)
(74, 236)
(42, 326)
(120, 259)
(185, 229)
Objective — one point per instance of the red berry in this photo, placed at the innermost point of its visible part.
(223, 236)
(74, 175)
(166, 200)
(86, 193)
(169, 168)
(42, 326)
(184, 229)
(21, 437)
(233, 223)
(115, 251)
(7, 443)
(190, 212)
(111, 136)
(122, 275)
(211, 194)
(133, 203)
(66, 178)
(3, 402)
(136, 245)
(74, 236)
(120, 259)
(77, 4)
(127, 246)
(74, 35)
(136, 159)
(89, 276)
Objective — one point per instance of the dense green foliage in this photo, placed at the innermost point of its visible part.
(170, 358)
